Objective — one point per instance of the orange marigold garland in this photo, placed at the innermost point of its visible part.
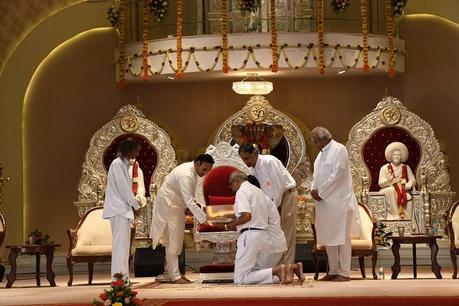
(145, 40)
(320, 32)
(274, 51)
(224, 25)
(179, 72)
(390, 37)
(121, 56)
(364, 16)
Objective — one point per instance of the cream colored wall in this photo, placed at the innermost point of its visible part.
(14, 80)
(74, 93)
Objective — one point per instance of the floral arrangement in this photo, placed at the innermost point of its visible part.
(397, 7)
(249, 6)
(158, 8)
(37, 237)
(382, 235)
(113, 14)
(120, 294)
(340, 5)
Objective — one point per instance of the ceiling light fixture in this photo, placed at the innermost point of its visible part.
(253, 85)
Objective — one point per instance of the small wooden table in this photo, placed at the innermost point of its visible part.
(37, 250)
(415, 239)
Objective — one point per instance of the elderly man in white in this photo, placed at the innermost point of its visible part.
(175, 195)
(120, 204)
(261, 242)
(336, 210)
(395, 180)
(278, 184)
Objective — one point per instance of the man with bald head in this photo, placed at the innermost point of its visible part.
(336, 205)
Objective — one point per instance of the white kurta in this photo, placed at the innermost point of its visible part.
(118, 207)
(175, 195)
(333, 180)
(119, 198)
(257, 250)
(273, 177)
(276, 181)
(385, 182)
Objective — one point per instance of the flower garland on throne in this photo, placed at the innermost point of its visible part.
(397, 181)
(265, 136)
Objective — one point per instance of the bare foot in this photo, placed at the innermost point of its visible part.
(289, 273)
(298, 270)
(279, 271)
(182, 280)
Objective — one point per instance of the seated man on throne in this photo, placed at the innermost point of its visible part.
(396, 181)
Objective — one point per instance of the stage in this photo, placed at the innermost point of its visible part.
(426, 290)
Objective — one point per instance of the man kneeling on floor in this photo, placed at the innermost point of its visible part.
(261, 241)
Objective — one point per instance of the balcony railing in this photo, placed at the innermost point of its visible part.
(201, 17)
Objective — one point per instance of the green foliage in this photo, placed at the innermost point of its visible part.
(382, 235)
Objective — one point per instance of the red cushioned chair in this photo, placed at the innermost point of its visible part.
(219, 199)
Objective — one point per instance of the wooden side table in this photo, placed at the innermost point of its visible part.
(37, 250)
(413, 240)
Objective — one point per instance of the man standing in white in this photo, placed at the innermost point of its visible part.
(120, 205)
(277, 183)
(261, 242)
(175, 195)
(336, 210)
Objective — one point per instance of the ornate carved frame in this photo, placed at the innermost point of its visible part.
(129, 119)
(259, 109)
(431, 174)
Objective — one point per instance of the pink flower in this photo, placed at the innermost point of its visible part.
(126, 300)
(107, 302)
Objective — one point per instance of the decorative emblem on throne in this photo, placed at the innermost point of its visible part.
(129, 123)
(390, 115)
(258, 112)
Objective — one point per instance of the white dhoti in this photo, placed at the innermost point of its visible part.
(121, 236)
(254, 259)
(172, 239)
(339, 256)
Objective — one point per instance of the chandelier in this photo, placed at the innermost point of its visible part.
(253, 85)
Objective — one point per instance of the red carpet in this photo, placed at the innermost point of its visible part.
(306, 301)
(312, 301)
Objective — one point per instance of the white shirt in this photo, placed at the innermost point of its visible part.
(333, 181)
(178, 190)
(274, 178)
(251, 199)
(119, 198)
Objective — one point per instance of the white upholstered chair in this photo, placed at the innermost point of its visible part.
(361, 246)
(90, 241)
(453, 231)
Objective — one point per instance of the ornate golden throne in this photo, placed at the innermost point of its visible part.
(391, 121)
(257, 120)
(156, 159)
